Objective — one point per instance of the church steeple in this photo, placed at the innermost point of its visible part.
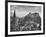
(14, 14)
(14, 17)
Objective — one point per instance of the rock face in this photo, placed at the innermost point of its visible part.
(30, 22)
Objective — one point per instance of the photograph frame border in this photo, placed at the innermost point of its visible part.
(6, 17)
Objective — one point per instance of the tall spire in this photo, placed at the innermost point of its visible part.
(14, 17)
(14, 14)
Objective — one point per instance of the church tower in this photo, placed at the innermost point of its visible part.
(13, 22)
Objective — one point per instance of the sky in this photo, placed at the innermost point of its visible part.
(22, 10)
